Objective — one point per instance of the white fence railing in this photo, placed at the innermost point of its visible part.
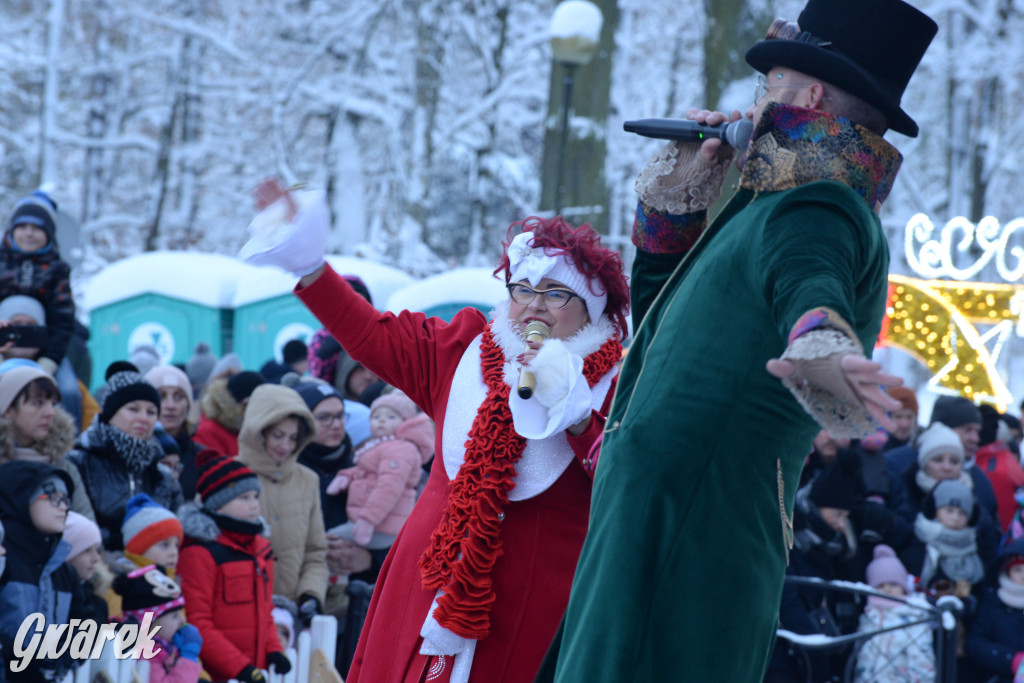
(321, 636)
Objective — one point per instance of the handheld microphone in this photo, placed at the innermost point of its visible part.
(536, 331)
(735, 134)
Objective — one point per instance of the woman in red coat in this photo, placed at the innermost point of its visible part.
(479, 576)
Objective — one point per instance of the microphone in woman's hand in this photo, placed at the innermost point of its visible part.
(536, 332)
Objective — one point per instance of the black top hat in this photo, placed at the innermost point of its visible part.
(869, 48)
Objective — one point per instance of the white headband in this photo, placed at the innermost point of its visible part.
(534, 264)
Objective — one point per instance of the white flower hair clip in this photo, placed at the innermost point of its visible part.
(527, 262)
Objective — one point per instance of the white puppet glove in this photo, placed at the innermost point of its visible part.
(561, 398)
(297, 246)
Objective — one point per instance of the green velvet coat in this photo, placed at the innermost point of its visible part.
(681, 573)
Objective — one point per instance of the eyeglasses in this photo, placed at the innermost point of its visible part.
(56, 498)
(553, 298)
(327, 419)
(761, 87)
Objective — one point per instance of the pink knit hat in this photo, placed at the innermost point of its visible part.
(886, 568)
(81, 532)
(398, 402)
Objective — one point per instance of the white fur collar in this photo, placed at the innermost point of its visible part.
(586, 341)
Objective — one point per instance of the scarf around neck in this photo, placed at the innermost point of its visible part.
(1010, 592)
(467, 542)
(926, 482)
(954, 552)
(136, 454)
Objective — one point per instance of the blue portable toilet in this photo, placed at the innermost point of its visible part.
(172, 300)
(267, 314)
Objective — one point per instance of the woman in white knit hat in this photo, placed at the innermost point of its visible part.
(479, 576)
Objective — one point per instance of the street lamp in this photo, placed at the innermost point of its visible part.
(575, 33)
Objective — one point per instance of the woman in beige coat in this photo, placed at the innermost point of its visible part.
(277, 426)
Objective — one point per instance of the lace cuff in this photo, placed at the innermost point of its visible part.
(820, 386)
(678, 180)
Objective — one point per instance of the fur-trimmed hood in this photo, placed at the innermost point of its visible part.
(220, 406)
(54, 445)
(268, 405)
(201, 526)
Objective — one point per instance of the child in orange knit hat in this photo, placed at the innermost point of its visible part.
(152, 533)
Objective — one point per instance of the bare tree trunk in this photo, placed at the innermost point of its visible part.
(732, 26)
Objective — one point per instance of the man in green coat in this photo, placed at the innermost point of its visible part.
(681, 574)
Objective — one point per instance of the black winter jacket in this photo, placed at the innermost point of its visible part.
(110, 483)
(46, 278)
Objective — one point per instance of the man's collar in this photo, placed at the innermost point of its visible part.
(792, 146)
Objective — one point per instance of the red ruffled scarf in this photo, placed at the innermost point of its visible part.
(467, 542)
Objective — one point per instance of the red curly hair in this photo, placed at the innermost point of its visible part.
(582, 246)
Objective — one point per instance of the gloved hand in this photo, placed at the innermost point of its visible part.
(561, 398)
(362, 532)
(297, 243)
(309, 607)
(279, 661)
(251, 674)
(188, 641)
(678, 180)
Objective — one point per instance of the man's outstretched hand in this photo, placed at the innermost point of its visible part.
(866, 379)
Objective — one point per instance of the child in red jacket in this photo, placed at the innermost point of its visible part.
(382, 483)
(227, 572)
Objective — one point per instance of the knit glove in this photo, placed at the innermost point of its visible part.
(819, 386)
(309, 607)
(297, 246)
(279, 662)
(251, 674)
(678, 180)
(188, 641)
(362, 531)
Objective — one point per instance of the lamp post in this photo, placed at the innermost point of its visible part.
(574, 33)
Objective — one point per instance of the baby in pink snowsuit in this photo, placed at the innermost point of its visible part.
(382, 483)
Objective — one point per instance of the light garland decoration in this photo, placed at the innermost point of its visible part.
(935, 320)
(936, 256)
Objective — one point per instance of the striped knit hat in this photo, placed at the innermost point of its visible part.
(221, 479)
(146, 523)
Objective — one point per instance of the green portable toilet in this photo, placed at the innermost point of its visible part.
(172, 300)
(267, 314)
(445, 294)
